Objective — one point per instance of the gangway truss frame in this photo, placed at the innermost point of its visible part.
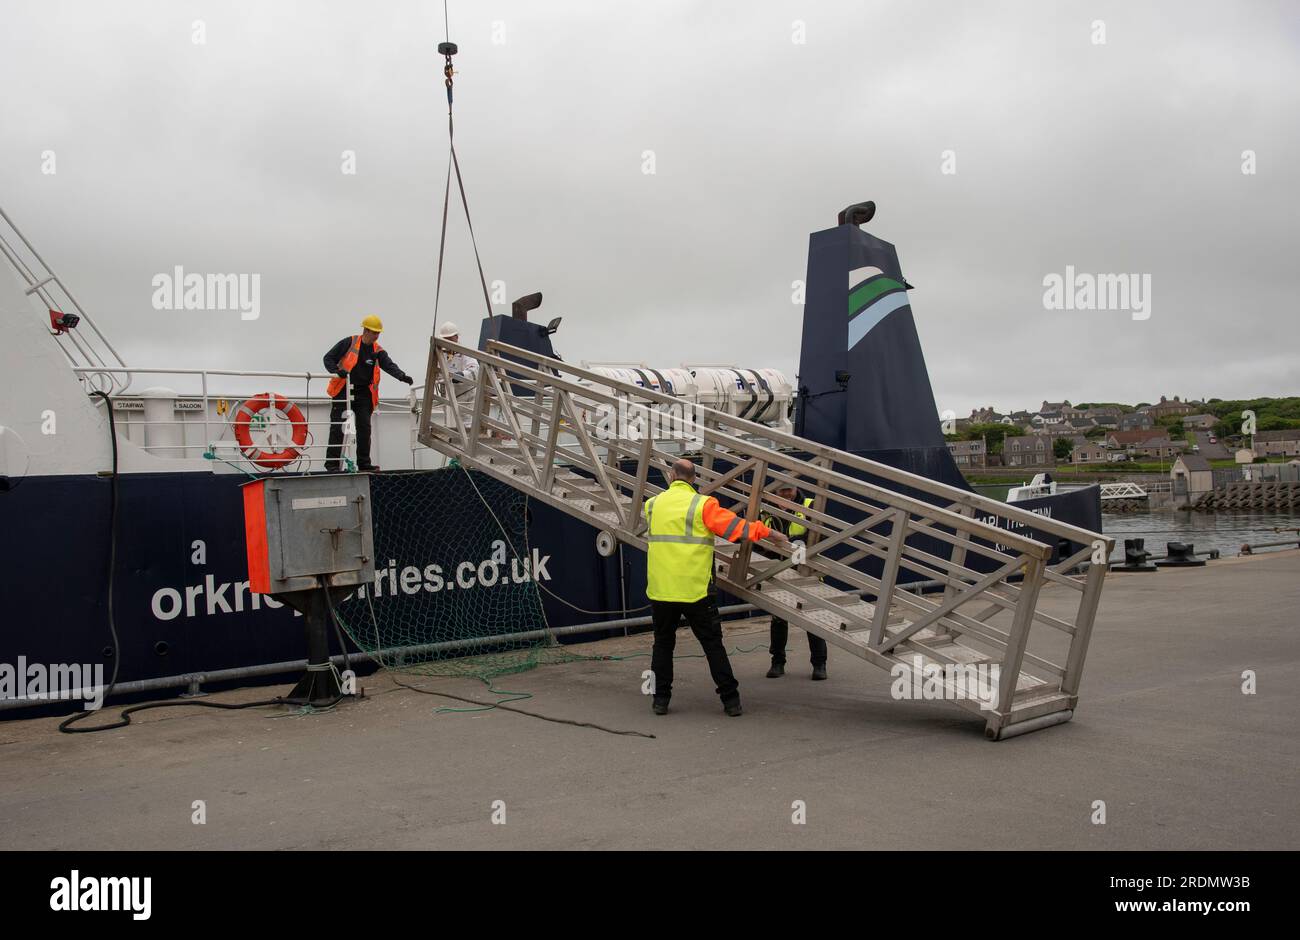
(543, 427)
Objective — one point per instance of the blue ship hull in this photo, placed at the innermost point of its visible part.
(180, 594)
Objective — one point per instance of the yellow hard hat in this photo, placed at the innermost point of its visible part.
(373, 322)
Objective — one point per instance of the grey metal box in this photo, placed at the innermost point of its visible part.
(305, 527)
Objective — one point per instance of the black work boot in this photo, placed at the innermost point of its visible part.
(777, 671)
(819, 671)
(660, 705)
(733, 708)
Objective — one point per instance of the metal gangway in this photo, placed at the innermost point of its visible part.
(574, 440)
(1126, 490)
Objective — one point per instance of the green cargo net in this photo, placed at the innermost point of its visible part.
(454, 591)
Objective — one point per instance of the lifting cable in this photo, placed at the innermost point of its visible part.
(447, 49)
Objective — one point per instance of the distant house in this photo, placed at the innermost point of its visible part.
(969, 454)
(1200, 422)
(1154, 443)
(1136, 421)
(1127, 439)
(986, 415)
(1277, 443)
(1090, 452)
(1158, 448)
(1054, 406)
(1028, 451)
(1165, 408)
(1192, 477)
(1079, 425)
(1048, 418)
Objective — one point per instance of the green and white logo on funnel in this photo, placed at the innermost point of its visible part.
(873, 295)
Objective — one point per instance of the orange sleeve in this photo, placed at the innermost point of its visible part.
(728, 525)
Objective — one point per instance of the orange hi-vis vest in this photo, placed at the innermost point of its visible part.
(347, 363)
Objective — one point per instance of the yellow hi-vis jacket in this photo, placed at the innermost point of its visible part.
(796, 529)
(681, 525)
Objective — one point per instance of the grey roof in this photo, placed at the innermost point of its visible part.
(1195, 462)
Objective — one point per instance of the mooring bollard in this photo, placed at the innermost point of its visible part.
(1180, 555)
(1135, 557)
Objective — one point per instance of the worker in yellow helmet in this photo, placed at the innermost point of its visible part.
(681, 526)
(360, 359)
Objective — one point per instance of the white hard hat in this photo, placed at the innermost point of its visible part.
(448, 330)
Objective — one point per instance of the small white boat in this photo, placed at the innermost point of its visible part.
(1041, 485)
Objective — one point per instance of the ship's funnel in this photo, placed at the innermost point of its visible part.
(863, 381)
(535, 337)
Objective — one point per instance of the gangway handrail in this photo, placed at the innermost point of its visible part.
(764, 432)
(752, 429)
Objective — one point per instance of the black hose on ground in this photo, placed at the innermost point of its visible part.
(124, 719)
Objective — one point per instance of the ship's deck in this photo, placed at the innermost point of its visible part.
(1163, 734)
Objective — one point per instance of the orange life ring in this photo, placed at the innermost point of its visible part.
(244, 414)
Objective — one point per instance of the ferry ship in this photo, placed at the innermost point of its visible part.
(86, 437)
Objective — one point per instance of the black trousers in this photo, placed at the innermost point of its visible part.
(361, 409)
(706, 624)
(781, 630)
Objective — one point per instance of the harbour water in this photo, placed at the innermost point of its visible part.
(1225, 531)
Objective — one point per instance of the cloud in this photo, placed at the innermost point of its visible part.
(1122, 157)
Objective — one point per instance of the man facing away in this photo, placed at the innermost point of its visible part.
(460, 364)
(780, 628)
(681, 525)
(464, 371)
(357, 359)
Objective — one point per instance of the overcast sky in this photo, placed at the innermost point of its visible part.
(1122, 157)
